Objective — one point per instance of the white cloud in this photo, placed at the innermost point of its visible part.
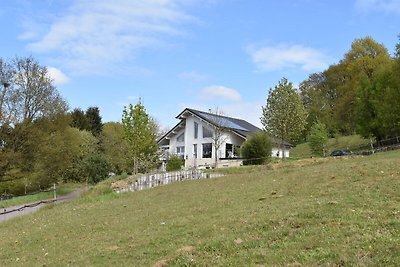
(387, 6)
(278, 57)
(192, 76)
(219, 92)
(92, 35)
(58, 76)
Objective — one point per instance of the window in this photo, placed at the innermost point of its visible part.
(181, 138)
(180, 150)
(207, 132)
(196, 130)
(195, 151)
(207, 150)
(229, 152)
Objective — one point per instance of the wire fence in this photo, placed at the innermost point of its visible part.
(378, 146)
(11, 212)
(10, 196)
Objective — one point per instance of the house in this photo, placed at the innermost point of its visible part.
(199, 134)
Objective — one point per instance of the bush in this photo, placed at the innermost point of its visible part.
(95, 168)
(174, 163)
(257, 149)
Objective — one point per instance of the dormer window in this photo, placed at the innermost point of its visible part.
(181, 138)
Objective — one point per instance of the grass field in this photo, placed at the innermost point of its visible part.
(60, 191)
(351, 142)
(311, 212)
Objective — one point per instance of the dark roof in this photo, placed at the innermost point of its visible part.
(239, 126)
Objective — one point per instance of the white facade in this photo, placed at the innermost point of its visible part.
(191, 139)
(198, 150)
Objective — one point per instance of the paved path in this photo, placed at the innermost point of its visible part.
(15, 211)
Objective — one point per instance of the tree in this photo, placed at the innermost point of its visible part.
(35, 93)
(284, 116)
(94, 120)
(219, 128)
(331, 97)
(94, 168)
(378, 111)
(115, 146)
(257, 149)
(360, 63)
(319, 101)
(79, 120)
(6, 92)
(318, 138)
(141, 137)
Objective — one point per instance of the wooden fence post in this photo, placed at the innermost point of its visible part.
(54, 191)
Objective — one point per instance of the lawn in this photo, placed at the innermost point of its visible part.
(311, 212)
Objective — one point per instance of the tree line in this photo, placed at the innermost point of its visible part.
(358, 95)
(42, 142)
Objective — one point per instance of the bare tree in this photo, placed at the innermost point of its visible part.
(219, 129)
(35, 92)
(6, 92)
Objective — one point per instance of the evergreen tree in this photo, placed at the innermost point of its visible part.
(79, 120)
(93, 118)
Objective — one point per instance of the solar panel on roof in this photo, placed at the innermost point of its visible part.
(222, 121)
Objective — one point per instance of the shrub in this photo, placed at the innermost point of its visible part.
(257, 149)
(174, 163)
(95, 168)
(318, 138)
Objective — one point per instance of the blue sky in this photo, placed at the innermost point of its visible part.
(187, 53)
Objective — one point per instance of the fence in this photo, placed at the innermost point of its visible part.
(14, 211)
(378, 146)
(5, 196)
(157, 179)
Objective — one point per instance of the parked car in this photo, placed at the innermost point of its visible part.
(341, 152)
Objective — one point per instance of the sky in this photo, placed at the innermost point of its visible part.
(173, 54)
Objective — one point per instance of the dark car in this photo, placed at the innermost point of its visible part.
(341, 152)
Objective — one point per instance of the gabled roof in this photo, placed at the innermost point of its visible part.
(238, 126)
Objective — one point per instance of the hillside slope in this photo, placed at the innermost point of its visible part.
(331, 212)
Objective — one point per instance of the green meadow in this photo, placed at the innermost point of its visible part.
(311, 212)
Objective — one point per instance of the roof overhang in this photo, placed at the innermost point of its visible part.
(171, 132)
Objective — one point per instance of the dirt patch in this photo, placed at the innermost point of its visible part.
(238, 241)
(120, 184)
(162, 263)
(186, 249)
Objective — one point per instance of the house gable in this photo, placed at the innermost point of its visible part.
(192, 139)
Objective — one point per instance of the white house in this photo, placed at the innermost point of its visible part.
(192, 138)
